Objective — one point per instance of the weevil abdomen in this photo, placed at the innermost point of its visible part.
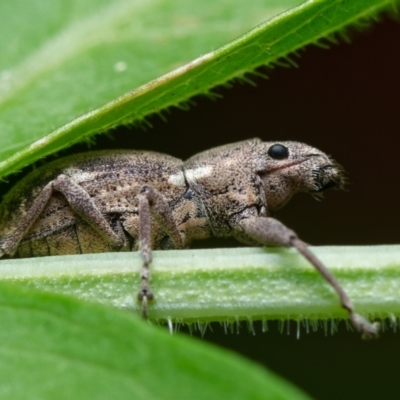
(113, 180)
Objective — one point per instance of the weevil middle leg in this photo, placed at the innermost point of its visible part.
(152, 202)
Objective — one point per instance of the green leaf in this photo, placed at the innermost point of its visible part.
(71, 69)
(225, 285)
(59, 348)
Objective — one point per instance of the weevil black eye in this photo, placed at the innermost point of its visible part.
(278, 152)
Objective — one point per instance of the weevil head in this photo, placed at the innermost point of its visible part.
(292, 167)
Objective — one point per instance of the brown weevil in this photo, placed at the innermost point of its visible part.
(136, 200)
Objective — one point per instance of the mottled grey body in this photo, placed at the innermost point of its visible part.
(132, 200)
(208, 195)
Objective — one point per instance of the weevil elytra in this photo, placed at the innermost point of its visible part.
(136, 200)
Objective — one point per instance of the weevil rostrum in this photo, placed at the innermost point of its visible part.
(137, 200)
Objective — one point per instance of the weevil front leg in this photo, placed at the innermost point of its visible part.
(152, 202)
(79, 201)
(269, 231)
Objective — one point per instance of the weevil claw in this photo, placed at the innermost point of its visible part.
(144, 307)
(368, 330)
(144, 296)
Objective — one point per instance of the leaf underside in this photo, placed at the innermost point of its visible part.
(89, 67)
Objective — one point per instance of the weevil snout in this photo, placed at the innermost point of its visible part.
(326, 177)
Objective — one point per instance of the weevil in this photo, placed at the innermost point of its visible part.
(137, 200)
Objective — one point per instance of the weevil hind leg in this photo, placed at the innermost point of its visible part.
(151, 202)
(269, 231)
(10, 243)
(79, 201)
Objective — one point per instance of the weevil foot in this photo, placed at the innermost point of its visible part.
(144, 296)
(367, 329)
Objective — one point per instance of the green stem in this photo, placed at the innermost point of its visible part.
(225, 284)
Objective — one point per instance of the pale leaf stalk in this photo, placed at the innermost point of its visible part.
(225, 285)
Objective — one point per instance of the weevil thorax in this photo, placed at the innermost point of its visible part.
(255, 178)
(224, 180)
(287, 168)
